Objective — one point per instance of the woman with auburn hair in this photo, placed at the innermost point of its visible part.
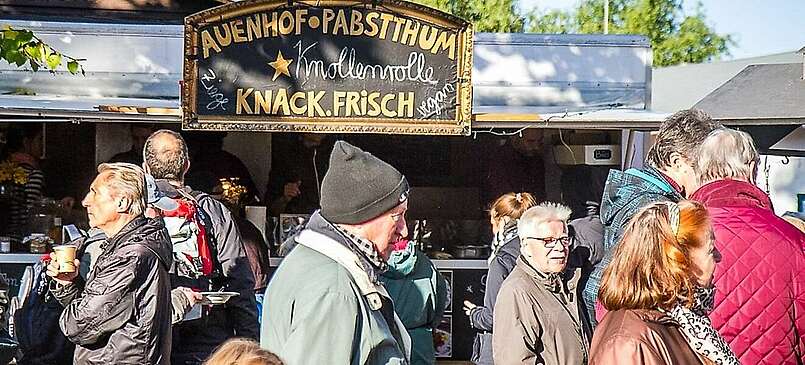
(242, 351)
(658, 290)
(503, 216)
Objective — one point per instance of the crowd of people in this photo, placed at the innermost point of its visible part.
(686, 264)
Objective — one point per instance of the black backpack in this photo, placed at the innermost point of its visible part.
(36, 325)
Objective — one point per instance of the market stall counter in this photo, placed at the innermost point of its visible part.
(12, 268)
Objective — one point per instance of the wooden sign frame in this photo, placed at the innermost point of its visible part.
(452, 114)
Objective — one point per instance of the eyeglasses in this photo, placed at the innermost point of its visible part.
(550, 242)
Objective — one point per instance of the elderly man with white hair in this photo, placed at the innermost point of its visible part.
(122, 313)
(538, 315)
(760, 281)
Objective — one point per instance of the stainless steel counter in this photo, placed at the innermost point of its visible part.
(19, 258)
(480, 264)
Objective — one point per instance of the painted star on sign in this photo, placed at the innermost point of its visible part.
(280, 66)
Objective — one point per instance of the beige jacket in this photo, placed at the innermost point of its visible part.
(537, 322)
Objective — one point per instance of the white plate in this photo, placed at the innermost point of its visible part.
(216, 297)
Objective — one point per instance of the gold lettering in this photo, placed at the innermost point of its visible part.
(357, 25)
(427, 39)
(223, 39)
(385, 25)
(410, 32)
(269, 25)
(445, 42)
(253, 30)
(405, 103)
(370, 22)
(262, 103)
(207, 42)
(313, 104)
(384, 106)
(398, 22)
(363, 102)
(301, 16)
(327, 16)
(242, 104)
(286, 22)
(295, 108)
(337, 102)
(341, 23)
(281, 101)
(353, 100)
(375, 111)
(237, 31)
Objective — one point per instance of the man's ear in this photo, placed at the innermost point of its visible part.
(753, 168)
(186, 167)
(123, 205)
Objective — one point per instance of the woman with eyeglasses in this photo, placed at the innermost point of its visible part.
(658, 290)
(503, 216)
(539, 317)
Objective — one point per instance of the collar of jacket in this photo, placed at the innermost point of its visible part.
(732, 193)
(318, 224)
(132, 228)
(552, 282)
(655, 316)
(347, 259)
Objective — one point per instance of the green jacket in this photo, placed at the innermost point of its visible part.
(316, 310)
(419, 293)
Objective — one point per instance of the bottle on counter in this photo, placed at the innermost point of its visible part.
(55, 232)
(38, 243)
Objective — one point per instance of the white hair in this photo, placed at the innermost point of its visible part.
(539, 214)
(127, 180)
(727, 154)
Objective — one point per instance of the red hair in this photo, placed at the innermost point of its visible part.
(651, 267)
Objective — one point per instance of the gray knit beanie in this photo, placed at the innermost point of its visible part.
(359, 186)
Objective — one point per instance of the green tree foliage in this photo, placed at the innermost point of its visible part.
(485, 15)
(675, 37)
(21, 47)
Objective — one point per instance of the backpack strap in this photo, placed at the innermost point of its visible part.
(196, 197)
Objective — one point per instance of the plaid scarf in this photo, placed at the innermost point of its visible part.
(366, 248)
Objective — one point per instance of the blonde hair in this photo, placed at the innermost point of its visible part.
(127, 180)
(651, 266)
(542, 213)
(242, 351)
(727, 154)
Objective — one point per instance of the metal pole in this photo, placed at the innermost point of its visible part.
(606, 16)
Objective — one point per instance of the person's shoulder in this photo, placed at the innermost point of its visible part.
(307, 271)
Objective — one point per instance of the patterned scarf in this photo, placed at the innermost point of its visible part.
(508, 233)
(366, 248)
(698, 330)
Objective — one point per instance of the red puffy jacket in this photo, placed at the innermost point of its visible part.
(760, 281)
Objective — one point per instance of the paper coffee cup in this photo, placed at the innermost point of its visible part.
(65, 255)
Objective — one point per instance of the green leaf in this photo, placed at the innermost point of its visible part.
(72, 66)
(54, 60)
(33, 52)
(25, 36)
(34, 66)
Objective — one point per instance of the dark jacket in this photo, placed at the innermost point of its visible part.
(760, 280)
(122, 314)
(624, 194)
(419, 293)
(540, 322)
(481, 317)
(641, 337)
(194, 341)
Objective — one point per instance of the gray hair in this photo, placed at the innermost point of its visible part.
(727, 154)
(127, 180)
(539, 214)
(683, 133)
(166, 160)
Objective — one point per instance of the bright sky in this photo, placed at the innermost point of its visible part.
(759, 27)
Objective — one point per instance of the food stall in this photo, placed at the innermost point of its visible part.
(438, 126)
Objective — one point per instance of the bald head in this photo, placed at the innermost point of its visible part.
(165, 156)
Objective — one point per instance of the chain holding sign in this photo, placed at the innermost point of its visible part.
(327, 66)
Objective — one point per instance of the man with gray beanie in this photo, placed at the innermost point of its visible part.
(325, 304)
